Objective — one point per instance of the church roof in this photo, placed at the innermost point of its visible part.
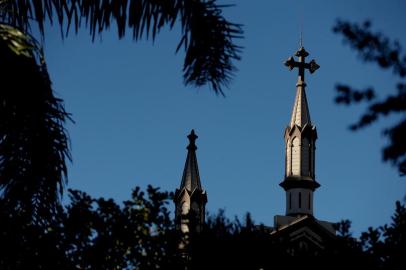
(306, 227)
(300, 112)
(191, 178)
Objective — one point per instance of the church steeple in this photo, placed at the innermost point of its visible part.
(300, 137)
(190, 199)
(191, 178)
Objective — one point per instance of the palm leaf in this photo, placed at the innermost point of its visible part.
(33, 141)
(208, 38)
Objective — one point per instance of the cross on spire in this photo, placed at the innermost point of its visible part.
(312, 66)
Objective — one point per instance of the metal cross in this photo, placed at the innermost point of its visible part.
(312, 66)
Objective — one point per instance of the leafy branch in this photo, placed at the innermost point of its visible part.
(207, 37)
(376, 48)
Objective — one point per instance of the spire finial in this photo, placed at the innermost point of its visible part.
(312, 66)
(192, 140)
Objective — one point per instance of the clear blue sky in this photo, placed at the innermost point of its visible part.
(133, 113)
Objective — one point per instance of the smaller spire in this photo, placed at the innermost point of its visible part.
(190, 200)
(191, 178)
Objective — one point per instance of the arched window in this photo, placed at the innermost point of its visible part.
(304, 155)
(300, 199)
(313, 159)
(290, 200)
(310, 159)
(185, 208)
(288, 158)
(295, 156)
(195, 207)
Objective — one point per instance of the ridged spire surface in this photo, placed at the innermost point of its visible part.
(300, 112)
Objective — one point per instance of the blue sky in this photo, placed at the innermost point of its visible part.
(132, 113)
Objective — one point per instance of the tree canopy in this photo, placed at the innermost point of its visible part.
(98, 233)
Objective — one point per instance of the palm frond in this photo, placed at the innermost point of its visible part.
(207, 37)
(33, 141)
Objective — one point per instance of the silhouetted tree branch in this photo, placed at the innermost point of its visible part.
(376, 48)
(207, 37)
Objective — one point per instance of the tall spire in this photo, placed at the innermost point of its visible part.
(191, 178)
(300, 139)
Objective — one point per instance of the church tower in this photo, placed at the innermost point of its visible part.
(298, 227)
(190, 199)
(300, 146)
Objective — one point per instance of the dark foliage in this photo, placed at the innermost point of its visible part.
(25, 245)
(139, 234)
(92, 234)
(376, 48)
(208, 38)
(387, 244)
(101, 234)
(226, 244)
(33, 141)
